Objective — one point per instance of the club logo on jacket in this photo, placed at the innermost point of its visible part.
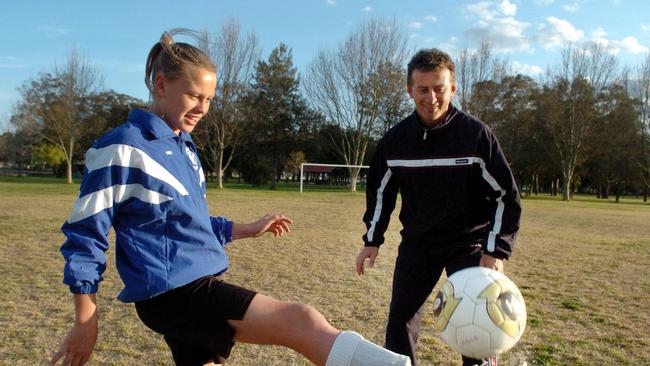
(192, 156)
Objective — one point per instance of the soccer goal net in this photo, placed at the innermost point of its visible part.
(326, 173)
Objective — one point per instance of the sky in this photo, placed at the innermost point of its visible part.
(115, 36)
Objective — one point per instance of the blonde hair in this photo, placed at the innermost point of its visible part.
(169, 58)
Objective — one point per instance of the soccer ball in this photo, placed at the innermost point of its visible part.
(479, 312)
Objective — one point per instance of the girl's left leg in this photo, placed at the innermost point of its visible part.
(305, 330)
(297, 326)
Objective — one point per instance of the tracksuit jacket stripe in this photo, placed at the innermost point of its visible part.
(378, 207)
(130, 157)
(98, 201)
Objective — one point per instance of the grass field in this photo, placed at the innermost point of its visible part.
(583, 267)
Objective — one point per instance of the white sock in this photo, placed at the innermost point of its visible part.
(351, 349)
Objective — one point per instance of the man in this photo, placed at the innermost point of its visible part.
(460, 205)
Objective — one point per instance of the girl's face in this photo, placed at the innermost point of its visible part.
(184, 101)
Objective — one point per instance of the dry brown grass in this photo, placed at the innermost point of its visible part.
(584, 269)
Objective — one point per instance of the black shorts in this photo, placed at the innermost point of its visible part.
(193, 317)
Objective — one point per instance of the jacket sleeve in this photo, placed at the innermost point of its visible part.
(381, 194)
(222, 228)
(505, 206)
(86, 232)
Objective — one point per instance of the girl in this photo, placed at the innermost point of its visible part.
(144, 179)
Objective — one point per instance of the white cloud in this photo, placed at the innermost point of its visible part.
(645, 27)
(497, 25)
(599, 33)
(544, 2)
(571, 7)
(52, 32)
(508, 8)
(331, 2)
(415, 24)
(525, 69)
(631, 45)
(489, 10)
(483, 10)
(367, 8)
(431, 18)
(8, 62)
(557, 32)
(504, 34)
(451, 46)
(627, 44)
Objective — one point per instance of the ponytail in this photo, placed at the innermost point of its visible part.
(169, 58)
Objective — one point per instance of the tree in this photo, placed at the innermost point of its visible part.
(571, 102)
(475, 69)
(276, 109)
(47, 155)
(17, 147)
(218, 134)
(512, 117)
(295, 160)
(641, 91)
(613, 147)
(57, 105)
(349, 87)
(107, 110)
(395, 104)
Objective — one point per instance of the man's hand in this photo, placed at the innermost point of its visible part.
(491, 262)
(369, 253)
(275, 224)
(80, 341)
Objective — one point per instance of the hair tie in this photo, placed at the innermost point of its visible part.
(166, 39)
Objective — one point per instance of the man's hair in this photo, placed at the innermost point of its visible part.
(429, 59)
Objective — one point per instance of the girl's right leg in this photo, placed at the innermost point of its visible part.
(305, 330)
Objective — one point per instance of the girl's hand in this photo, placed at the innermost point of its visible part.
(276, 224)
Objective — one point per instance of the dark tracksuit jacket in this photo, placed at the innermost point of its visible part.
(455, 184)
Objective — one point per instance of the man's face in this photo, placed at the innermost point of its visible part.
(431, 91)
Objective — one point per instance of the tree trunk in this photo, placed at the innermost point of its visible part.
(220, 168)
(276, 173)
(68, 164)
(554, 187)
(68, 161)
(353, 182)
(566, 184)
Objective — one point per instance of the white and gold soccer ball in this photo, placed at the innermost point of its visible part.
(479, 312)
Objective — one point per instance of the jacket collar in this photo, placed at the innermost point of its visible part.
(155, 125)
(451, 113)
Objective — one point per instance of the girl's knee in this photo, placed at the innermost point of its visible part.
(306, 317)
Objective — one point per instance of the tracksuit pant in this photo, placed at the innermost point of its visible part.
(417, 270)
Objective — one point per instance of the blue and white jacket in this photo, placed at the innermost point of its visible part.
(146, 182)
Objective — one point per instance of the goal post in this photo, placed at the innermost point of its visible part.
(303, 165)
